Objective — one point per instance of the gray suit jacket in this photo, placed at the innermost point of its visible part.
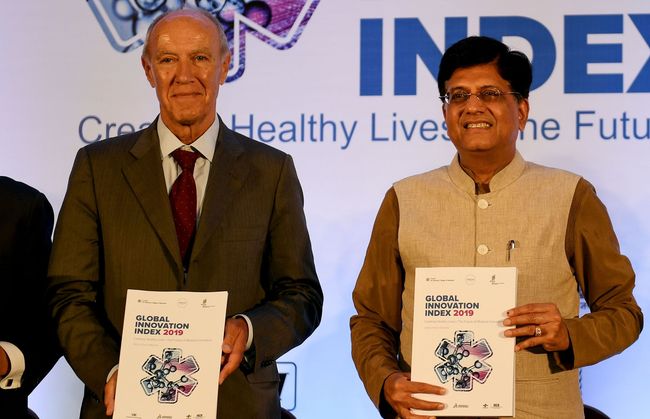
(115, 231)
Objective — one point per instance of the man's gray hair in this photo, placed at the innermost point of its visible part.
(223, 41)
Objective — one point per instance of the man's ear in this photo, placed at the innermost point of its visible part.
(523, 108)
(148, 70)
(225, 66)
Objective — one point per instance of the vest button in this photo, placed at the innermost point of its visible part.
(482, 249)
(483, 204)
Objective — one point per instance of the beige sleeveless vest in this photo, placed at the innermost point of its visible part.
(444, 223)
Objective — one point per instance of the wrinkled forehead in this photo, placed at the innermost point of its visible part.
(181, 22)
(174, 23)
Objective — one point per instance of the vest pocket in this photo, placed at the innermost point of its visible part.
(557, 396)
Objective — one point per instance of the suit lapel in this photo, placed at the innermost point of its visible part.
(146, 179)
(227, 175)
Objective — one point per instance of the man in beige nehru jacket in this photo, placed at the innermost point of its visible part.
(185, 204)
(467, 214)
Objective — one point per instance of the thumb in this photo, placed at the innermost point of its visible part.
(228, 338)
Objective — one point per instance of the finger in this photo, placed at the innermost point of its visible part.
(403, 383)
(110, 406)
(406, 413)
(530, 318)
(228, 341)
(425, 415)
(529, 330)
(550, 318)
(226, 348)
(417, 387)
(528, 343)
(398, 390)
(231, 365)
(530, 308)
(416, 402)
(109, 394)
(235, 335)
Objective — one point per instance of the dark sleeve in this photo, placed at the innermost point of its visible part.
(27, 232)
(75, 282)
(606, 279)
(377, 298)
(294, 303)
(42, 352)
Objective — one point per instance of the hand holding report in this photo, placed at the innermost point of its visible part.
(541, 323)
(399, 390)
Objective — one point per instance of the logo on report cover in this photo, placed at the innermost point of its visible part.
(278, 23)
(463, 360)
(170, 375)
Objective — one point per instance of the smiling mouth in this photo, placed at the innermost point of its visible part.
(477, 125)
(188, 94)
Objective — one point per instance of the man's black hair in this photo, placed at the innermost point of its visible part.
(513, 66)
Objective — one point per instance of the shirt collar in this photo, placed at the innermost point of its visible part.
(500, 180)
(205, 144)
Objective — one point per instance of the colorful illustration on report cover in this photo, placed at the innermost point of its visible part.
(170, 375)
(463, 360)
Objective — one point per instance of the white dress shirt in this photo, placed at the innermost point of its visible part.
(14, 377)
(204, 145)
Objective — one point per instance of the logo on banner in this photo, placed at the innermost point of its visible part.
(278, 23)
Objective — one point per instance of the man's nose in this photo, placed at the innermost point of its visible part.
(184, 71)
(474, 102)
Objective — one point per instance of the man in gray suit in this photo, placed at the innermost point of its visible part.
(121, 226)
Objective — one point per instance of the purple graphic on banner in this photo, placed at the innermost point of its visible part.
(464, 360)
(170, 375)
(278, 23)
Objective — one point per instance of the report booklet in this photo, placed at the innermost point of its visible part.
(458, 340)
(170, 355)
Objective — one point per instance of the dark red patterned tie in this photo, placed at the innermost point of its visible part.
(183, 200)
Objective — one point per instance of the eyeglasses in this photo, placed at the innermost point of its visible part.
(486, 96)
